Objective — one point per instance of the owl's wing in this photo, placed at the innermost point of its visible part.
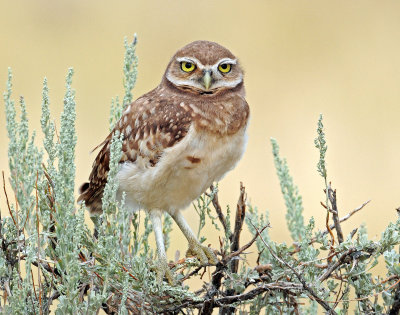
(149, 125)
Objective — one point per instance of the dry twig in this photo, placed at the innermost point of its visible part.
(218, 208)
(239, 219)
(335, 213)
(345, 218)
(339, 262)
(298, 275)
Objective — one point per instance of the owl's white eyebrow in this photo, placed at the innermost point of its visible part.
(192, 60)
(227, 60)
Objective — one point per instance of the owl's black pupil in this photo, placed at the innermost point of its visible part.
(224, 66)
(188, 65)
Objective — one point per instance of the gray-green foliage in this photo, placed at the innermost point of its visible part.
(320, 144)
(130, 75)
(307, 259)
(290, 192)
(203, 209)
(46, 230)
(24, 158)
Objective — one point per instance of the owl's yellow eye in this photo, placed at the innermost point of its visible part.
(187, 66)
(225, 67)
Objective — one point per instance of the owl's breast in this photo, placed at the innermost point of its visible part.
(183, 172)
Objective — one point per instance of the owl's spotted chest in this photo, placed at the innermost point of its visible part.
(184, 171)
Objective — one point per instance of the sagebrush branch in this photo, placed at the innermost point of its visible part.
(345, 218)
(305, 285)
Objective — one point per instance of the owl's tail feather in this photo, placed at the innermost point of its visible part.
(84, 187)
(91, 197)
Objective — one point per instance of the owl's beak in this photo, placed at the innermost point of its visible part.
(207, 79)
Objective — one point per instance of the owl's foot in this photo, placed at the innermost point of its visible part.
(162, 270)
(203, 253)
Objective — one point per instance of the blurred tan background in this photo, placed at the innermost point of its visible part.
(302, 58)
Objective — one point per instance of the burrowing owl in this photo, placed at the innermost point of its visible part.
(178, 139)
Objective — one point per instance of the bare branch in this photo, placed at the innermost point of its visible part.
(8, 203)
(239, 219)
(218, 208)
(335, 213)
(301, 279)
(244, 247)
(336, 264)
(345, 218)
(228, 300)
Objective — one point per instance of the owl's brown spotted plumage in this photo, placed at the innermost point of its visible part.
(178, 138)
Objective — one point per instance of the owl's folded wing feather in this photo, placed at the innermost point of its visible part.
(149, 125)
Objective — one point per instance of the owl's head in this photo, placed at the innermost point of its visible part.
(204, 67)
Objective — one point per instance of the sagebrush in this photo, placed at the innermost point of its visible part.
(49, 253)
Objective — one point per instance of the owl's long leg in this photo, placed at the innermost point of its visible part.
(203, 253)
(162, 263)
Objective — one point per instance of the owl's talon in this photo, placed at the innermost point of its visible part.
(162, 270)
(203, 253)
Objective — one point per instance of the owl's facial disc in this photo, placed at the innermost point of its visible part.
(190, 74)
